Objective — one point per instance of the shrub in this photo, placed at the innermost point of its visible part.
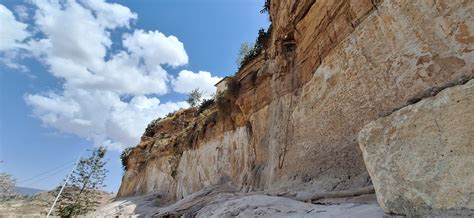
(124, 157)
(170, 114)
(150, 129)
(259, 46)
(266, 8)
(205, 105)
(245, 49)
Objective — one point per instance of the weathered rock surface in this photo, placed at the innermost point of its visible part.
(226, 201)
(301, 111)
(421, 157)
(293, 124)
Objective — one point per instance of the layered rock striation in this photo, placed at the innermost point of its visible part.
(329, 68)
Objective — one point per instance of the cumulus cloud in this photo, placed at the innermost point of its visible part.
(73, 39)
(100, 116)
(12, 32)
(187, 81)
(155, 48)
(12, 35)
(83, 63)
(111, 15)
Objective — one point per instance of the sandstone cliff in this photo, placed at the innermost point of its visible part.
(329, 68)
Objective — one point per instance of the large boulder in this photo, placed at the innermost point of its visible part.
(421, 157)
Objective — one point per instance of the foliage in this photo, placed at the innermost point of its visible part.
(7, 186)
(81, 195)
(259, 46)
(245, 49)
(124, 157)
(170, 114)
(206, 103)
(150, 129)
(266, 9)
(194, 97)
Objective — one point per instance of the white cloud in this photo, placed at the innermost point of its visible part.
(156, 48)
(187, 81)
(83, 63)
(74, 41)
(12, 35)
(111, 15)
(100, 116)
(22, 12)
(12, 32)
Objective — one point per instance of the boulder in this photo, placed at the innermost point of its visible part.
(421, 157)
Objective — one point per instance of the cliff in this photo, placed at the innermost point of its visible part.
(291, 120)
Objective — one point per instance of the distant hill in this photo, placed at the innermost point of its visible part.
(27, 191)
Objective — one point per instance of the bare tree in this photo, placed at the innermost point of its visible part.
(7, 186)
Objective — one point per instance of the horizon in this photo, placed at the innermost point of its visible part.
(61, 98)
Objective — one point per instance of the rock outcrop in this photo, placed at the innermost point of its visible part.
(421, 157)
(226, 201)
(329, 68)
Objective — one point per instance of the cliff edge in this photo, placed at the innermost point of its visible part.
(289, 121)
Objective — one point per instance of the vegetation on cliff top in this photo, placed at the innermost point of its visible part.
(248, 53)
(194, 97)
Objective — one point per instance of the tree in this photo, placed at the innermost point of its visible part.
(245, 49)
(194, 97)
(7, 186)
(82, 193)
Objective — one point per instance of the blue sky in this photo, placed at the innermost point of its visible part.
(77, 75)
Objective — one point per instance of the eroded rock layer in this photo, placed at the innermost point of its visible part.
(330, 67)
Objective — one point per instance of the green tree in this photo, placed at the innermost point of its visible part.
(7, 186)
(82, 193)
(194, 97)
(245, 49)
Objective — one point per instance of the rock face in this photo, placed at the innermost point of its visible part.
(330, 67)
(421, 157)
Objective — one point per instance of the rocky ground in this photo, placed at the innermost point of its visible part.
(35, 206)
(27, 206)
(225, 201)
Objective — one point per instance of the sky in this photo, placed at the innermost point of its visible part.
(75, 75)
